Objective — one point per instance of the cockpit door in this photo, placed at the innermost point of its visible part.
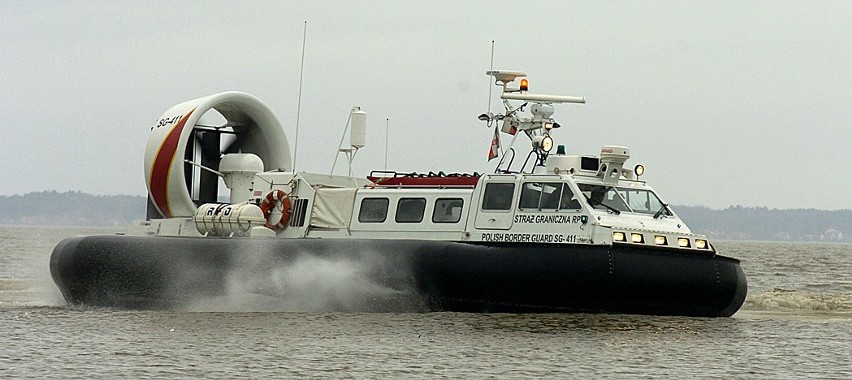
(496, 206)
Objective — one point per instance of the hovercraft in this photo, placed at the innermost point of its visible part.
(554, 233)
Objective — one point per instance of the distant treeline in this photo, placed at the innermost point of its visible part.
(761, 223)
(736, 222)
(71, 209)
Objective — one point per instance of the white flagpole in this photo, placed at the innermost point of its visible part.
(299, 102)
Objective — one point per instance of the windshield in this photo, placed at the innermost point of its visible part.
(622, 199)
(643, 201)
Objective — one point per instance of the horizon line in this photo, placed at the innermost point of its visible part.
(681, 205)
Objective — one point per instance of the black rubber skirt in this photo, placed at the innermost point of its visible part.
(362, 275)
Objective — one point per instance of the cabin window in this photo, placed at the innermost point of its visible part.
(447, 210)
(603, 197)
(547, 196)
(568, 201)
(498, 196)
(643, 201)
(410, 210)
(590, 163)
(373, 210)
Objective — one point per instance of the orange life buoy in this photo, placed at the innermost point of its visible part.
(270, 202)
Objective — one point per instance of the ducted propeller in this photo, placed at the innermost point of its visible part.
(198, 133)
(211, 139)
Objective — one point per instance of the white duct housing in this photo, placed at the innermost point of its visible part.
(257, 131)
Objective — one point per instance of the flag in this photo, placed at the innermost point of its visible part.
(495, 145)
(509, 127)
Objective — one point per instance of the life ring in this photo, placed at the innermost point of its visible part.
(269, 203)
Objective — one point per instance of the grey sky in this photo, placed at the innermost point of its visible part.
(724, 102)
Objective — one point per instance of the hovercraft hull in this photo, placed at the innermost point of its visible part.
(141, 272)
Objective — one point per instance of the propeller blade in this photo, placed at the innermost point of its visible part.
(231, 144)
(210, 157)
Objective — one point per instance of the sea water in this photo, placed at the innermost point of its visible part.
(796, 323)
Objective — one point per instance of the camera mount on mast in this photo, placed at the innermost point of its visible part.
(539, 124)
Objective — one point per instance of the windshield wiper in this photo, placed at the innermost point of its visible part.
(663, 209)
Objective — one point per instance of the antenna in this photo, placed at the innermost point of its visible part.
(489, 81)
(491, 115)
(544, 98)
(387, 132)
(299, 102)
